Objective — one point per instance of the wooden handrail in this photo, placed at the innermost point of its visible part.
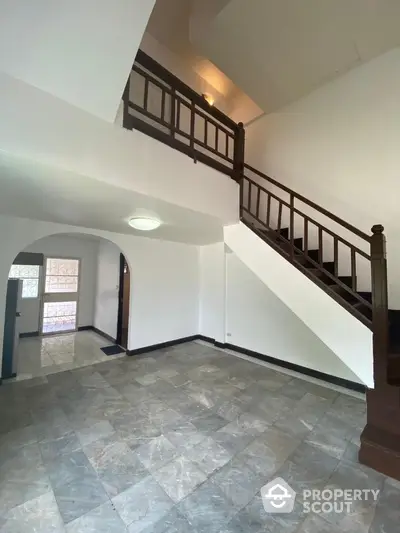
(315, 206)
(161, 72)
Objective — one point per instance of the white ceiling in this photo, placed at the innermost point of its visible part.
(169, 23)
(277, 51)
(39, 192)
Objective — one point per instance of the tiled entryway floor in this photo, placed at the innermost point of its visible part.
(179, 441)
(40, 356)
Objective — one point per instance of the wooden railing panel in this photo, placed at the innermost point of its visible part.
(160, 105)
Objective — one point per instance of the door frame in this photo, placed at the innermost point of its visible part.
(120, 316)
(43, 293)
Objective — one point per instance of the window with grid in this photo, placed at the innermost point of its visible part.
(30, 279)
(61, 275)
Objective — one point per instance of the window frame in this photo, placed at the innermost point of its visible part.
(38, 279)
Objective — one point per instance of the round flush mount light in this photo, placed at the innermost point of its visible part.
(144, 223)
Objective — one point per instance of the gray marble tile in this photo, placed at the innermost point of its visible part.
(207, 509)
(156, 453)
(208, 422)
(143, 505)
(387, 512)
(230, 409)
(52, 448)
(16, 439)
(233, 438)
(14, 493)
(351, 476)
(39, 515)
(208, 455)
(79, 496)
(134, 393)
(179, 478)
(137, 433)
(102, 519)
(173, 522)
(147, 379)
(268, 451)
(94, 432)
(238, 482)
(68, 467)
(92, 380)
(307, 468)
(185, 436)
(116, 464)
(253, 518)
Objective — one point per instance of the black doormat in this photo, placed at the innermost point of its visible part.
(112, 350)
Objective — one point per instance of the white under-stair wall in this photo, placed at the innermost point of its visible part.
(342, 333)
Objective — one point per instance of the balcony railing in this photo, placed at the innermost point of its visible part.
(160, 105)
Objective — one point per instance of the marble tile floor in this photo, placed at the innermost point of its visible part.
(179, 441)
(40, 356)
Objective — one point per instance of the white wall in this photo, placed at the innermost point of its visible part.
(68, 247)
(258, 320)
(42, 128)
(164, 278)
(106, 301)
(339, 147)
(342, 333)
(212, 291)
(81, 52)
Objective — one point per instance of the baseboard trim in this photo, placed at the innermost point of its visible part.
(29, 334)
(334, 380)
(161, 345)
(328, 378)
(99, 332)
(13, 375)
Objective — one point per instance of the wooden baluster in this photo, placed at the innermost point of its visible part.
(126, 98)
(305, 238)
(238, 153)
(292, 227)
(206, 132)
(216, 137)
(353, 270)
(226, 145)
(336, 256)
(163, 105)
(146, 94)
(268, 217)
(241, 196)
(249, 198)
(192, 124)
(178, 112)
(279, 217)
(258, 203)
(320, 246)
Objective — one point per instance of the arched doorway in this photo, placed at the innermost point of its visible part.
(71, 291)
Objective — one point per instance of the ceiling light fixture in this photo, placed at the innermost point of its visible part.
(144, 223)
(208, 98)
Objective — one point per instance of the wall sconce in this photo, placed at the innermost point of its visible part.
(208, 98)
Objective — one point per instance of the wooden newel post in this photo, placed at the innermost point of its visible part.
(380, 315)
(238, 153)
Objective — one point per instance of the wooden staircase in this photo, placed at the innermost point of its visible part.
(283, 219)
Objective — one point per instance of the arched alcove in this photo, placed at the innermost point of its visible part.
(70, 281)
